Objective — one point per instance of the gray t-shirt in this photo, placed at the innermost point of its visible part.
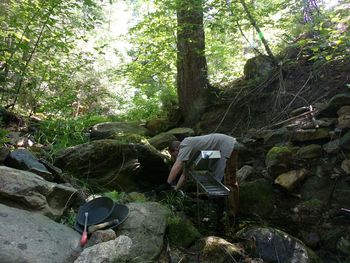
(216, 141)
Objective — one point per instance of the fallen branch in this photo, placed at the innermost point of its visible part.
(290, 119)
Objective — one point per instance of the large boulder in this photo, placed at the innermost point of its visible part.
(30, 237)
(24, 160)
(117, 250)
(259, 66)
(146, 227)
(117, 130)
(275, 246)
(181, 232)
(114, 165)
(162, 140)
(29, 191)
(279, 159)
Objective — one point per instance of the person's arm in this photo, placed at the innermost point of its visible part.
(181, 181)
(175, 170)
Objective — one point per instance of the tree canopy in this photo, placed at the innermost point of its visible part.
(46, 67)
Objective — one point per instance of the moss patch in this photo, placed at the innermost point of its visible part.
(256, 198)
(181, 232)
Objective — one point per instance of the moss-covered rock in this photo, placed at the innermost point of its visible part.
(256, 198)
(113, 165)
(181, 232)
(130, 132)
(279, 159)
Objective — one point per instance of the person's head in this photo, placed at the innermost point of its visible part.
(174, 149)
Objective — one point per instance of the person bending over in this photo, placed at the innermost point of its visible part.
(223, 168)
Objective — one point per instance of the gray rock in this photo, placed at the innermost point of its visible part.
(145, 226)
(345, 141)
(162, 140)
(259, 66)
(117, 250)
(29, 191)
(310, 151)
(274, 246)
(181, 132)
(24, 160)
(344, 121)
(332, 146)
(34, 238)
(272, 137)
(244, 173)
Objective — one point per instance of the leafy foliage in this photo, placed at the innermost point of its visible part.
(64, 132)
(43, 68)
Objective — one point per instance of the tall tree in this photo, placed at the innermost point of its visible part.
(192, 83)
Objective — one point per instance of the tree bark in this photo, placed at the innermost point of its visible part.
(192, 81)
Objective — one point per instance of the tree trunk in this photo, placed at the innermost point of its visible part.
(192, 80)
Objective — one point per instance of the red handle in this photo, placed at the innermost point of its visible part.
(84, 239)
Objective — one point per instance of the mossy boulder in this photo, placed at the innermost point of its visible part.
(130, 132)
(182, 233)
(279, 159)
(110, 164)
(258, 67)
(256, 198)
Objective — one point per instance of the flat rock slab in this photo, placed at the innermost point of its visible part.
(34, 238)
